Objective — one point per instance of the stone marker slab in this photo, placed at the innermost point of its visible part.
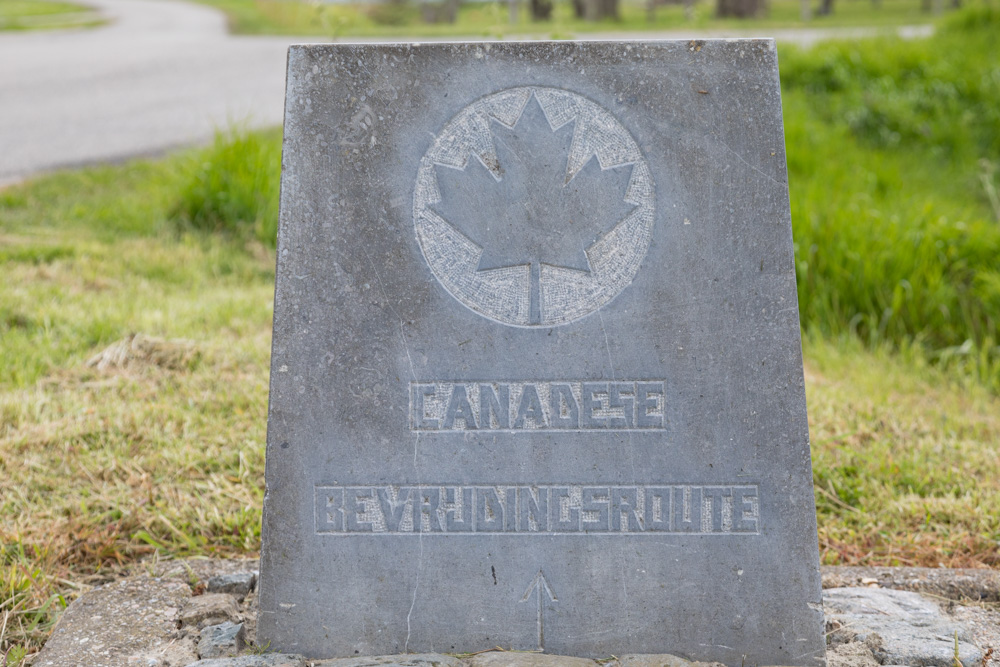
(536, 376)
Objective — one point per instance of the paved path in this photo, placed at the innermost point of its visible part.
(165, 73)
(159, 75)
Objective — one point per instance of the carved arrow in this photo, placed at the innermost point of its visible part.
(541, 585)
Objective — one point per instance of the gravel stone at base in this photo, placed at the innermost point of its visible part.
(900, 627)
(518, 659)
(983, 623)
(954, 584)
(180, 652)
(223, 640)
(416, 660)
(134, 623)
(210, 609)
(109, 624)
(268, 660)
(238, 584)
(660, 660)
(852, 654)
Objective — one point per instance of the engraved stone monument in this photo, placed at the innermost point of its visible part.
(536, 379)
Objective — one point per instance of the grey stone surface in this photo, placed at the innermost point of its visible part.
(583, 432)
(238, 584)
(520, 659)
(266, 660)
(660, 660)
(416, 660)
(179, 652)
(901, 627)
(209, 609)
(652, 660)
(106, 626)
(223, 640)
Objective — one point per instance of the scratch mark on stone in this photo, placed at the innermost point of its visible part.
(628, 621)
(416, 587)
(402, 329)
(607, 346)
(402, 334)
(614, 378)
(816, 653)
(756, 169)
(591, 635)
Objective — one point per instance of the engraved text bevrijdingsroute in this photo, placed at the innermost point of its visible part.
(541, 509)
(529, 406)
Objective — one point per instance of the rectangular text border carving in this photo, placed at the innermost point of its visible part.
(541, 509)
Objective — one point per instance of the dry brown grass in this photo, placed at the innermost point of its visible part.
(133, 389)
(905, 459)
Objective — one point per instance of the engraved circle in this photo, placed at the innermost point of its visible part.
(532, 292)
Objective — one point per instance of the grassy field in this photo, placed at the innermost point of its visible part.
(492, 19)
(136, 309)
(37, 15)
(893, 161)
(157, 446)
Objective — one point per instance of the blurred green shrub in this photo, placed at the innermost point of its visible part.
(232, 186)
(393, 12)
(894, 230)
(940, 92)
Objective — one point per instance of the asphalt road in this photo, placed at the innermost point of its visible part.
(162, 74)
(159, 75)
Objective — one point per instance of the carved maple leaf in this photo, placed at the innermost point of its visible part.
(524, 210)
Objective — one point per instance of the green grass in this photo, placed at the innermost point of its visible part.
(896, 238)
(233, 186)
(104, 464)
(95, 254)
(38, 15)
(491, 19)
(136, 311)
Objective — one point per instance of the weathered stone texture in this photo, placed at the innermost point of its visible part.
(416, 660)
(238, 585)
(223, 640)
(536, 374)
(515, 659)
(266, 660)
(976, 624)
(108, 625)
(210, 609)
(900, 627)
(179, 652)
(662, 660)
